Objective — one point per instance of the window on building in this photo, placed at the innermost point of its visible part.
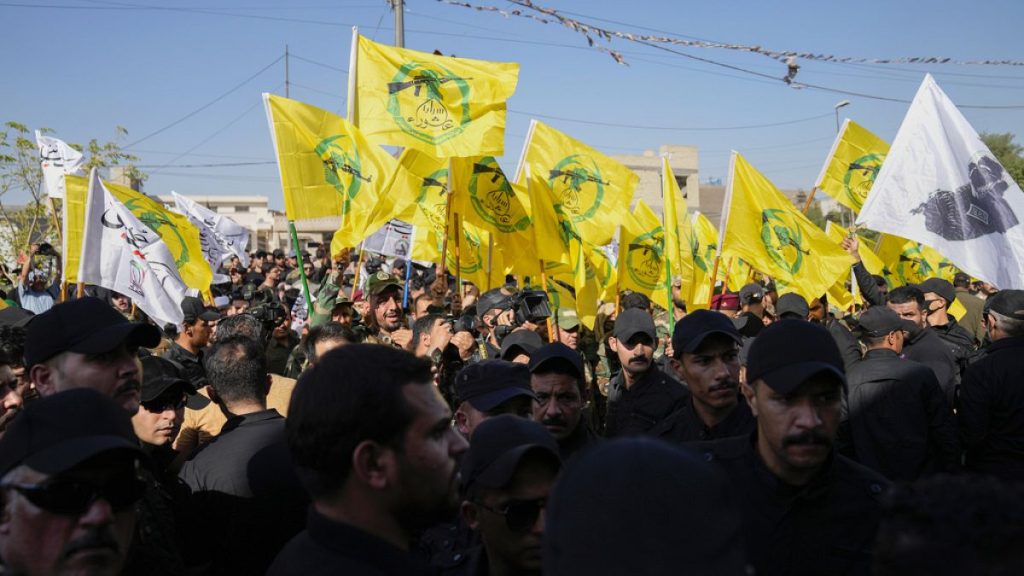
(241, 208)
(681, 182)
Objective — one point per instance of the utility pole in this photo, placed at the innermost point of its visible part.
(399, 7)
(286, 79)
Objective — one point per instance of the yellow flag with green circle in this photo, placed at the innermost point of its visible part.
(593, 189)
(769, 233)
(852, 165)
(76, 191)
(909, 262)
(642, 254)
(673, 241)
(442, 105)
(701, 248)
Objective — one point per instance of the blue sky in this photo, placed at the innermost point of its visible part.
(82, 67)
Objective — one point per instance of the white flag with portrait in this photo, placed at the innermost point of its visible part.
(220, 236)
(121, 253)
(57, 159)
(941, 186)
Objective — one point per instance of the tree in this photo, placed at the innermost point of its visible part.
(20, 172)
(1007, 152)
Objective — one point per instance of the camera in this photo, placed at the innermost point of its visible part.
(531, 306)
(263, 306)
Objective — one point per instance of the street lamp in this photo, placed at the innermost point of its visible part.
(839, 105)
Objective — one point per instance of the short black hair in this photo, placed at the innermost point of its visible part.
(12, 345)
(905, 294)
(324, 333)
(562, 367)
(236, 367)
(351, 395)
(634, 300)
(961, 280)
(423, 325)
(241, 325)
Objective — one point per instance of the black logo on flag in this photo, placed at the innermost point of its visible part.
(974, 209)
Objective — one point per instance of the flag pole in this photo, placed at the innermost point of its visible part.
(458, 259)
(667, 260)
(725, 281)
(359, 268)
(447, 224)
(302, 269)
(810, 198)
(544, 285)
(408, 276)
(350, 108)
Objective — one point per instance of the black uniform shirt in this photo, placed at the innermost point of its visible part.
(926, 347)
(636, 410)
(992, 410)
(192, 363)
(824, 528)
(685, 425)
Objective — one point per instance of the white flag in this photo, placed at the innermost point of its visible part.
(57, 159)
(941, 186)
(121, 253)
(220, 236)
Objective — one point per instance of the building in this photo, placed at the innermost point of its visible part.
(685, 167)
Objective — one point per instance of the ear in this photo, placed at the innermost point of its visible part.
(676, 366)
(462, 421)
(470, 515)
(214, 397)
(751, 396)
(613, 343)
(372, 464)
(44, 378)
(270, 380)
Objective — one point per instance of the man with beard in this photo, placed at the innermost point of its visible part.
(86, 344)
(923, 344)
(372, 441)
(385, 321)
(507, 475)
(11, 401)
(807, 510)
(556, 377)
(193, 335)
(69, 485)
(706, 348)
(939, 295)
(640, 396)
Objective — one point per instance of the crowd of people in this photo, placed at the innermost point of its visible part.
(403, 423)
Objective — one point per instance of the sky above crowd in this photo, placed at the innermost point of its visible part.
(185, 78)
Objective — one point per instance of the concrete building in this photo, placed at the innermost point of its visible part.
(685, 166)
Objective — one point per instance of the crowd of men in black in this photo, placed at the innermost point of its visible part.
(412, 426)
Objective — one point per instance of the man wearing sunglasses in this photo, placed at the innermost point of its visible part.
(85, 343)
(507, 474)
(69, 483)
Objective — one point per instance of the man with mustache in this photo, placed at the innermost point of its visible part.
(640, 396)
(807, 510)
(372, 441)
(706, 348)
(85, 343)
(385, 320)
(69, 483)
(557, 380)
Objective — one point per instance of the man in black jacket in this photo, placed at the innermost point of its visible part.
(640, 396)
(923, 343)
(806, 509)
(896, 420)
(992, 397)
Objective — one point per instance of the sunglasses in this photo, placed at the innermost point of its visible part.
(520, 515)
(73, 498)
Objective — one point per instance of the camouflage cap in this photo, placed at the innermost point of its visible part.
(567, 319)
(379, 281)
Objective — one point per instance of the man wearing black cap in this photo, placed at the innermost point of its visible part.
(991, 396)
(385, 321)
(939, 295)
(557, 380)
(507, 475)
(705, 345)
(640, 396)
(520, 345)
(807, 510)
(494, 308)
(489, 388)
(752, 300)
(85, 343)
(377, 453)
(69, 484)
(896, 419)
(193, 336)
(922, 344)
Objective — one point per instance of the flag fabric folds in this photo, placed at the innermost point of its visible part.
(852, 165)
(220, 236)
(121, 253)
(701, 248)
(673, 241)
(589, 186)
(941, 186)
(642, 254)
(908, 262)
(445, 106)
(76, 193)
(57, 159)
(768, 232)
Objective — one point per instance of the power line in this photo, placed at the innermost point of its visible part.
(672, 128)
(322, 64)
(213, 165)
(205, 106)
(318, 91)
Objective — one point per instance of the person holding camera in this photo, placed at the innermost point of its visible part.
(33, 293)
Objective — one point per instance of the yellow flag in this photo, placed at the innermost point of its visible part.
(702, 243)
(842, 298)
(603, 272)
(852, 165)
(589, 186)
(767, 231)
(76, 190)
(641, 254)
(473, 265)
(447, 107)
(553, 229)
(328, 168)
(908, 262)
(871, 261)
(670, 191)
(180, 235)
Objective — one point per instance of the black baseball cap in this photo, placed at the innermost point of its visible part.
(1009, 303)
(527, 341)
(634, 321)
(489, 383)
(86, 326)
(693, 328)
(15, 316)
(556, 352)
(882, 320)
(492, 299)
(194, 309)
(751, 293)
(941, 287)
(499, 445)
(792, 303)
(56, 433)
(159, 375)
(789, 352)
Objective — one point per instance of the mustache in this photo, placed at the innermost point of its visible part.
(726, 385)
(808, 437)
(129, 386)
(639, 360)
(100, 538)
(554, 421)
